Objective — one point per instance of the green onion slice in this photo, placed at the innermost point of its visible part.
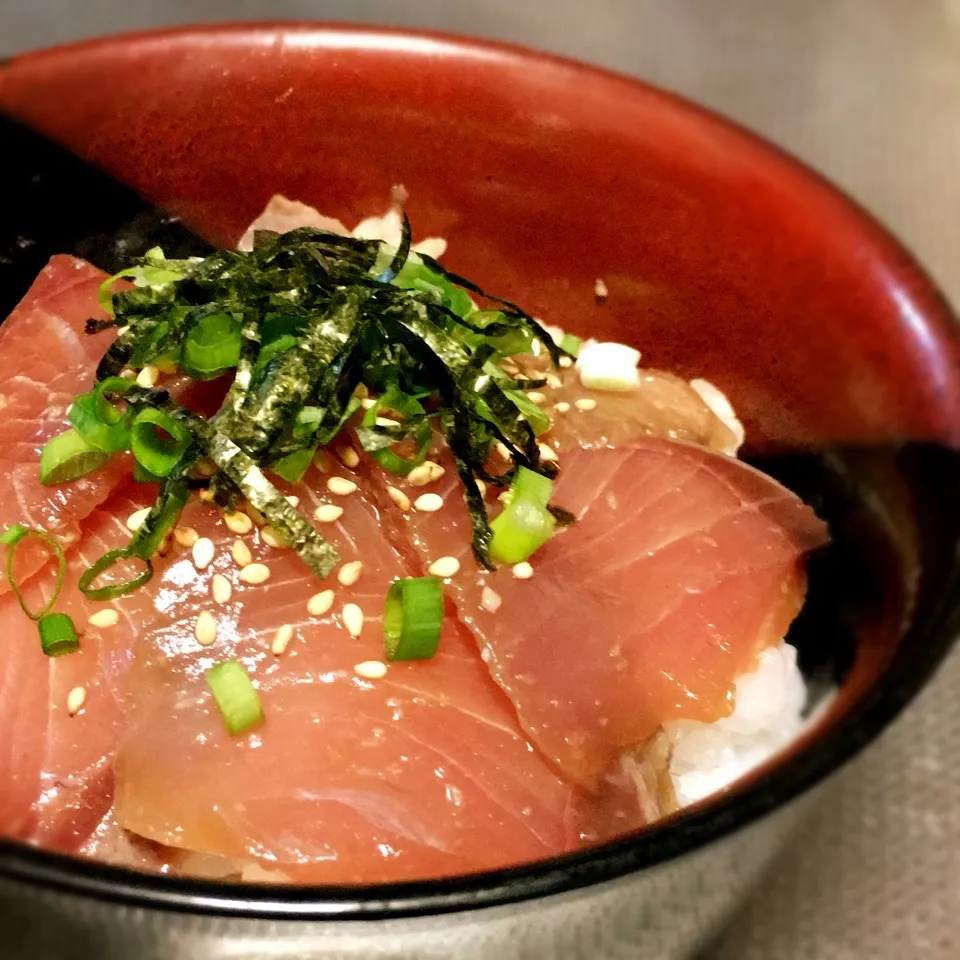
(67, 457)
(235, 696)
(58, 635)
(378, 440)
(525, 524)
(211, 347)
(112, 590)
(155, 453)
(571, 344)
(413, 618)
(12, 537)
(98, 421)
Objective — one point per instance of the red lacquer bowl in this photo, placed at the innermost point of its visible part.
(723, 258)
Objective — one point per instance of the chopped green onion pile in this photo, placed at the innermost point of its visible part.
(413, 618)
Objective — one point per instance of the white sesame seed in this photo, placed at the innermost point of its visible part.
(221, 588)
(122, 330)
(128, 374)
(537, 397)
(255, 515)
(367, 403)
(566, 362)
(349, 573)
(206, 629)
(352, 619)
(585, 404)
(148, 376)
(76, 699)
(327, 513)
(281, 639)
(428, 503)
(553, 381)
(186, 536)
(600, 290)
(371, 669)
(272, 538)
(205, 496)
(135, 520)
(562, 407)
(546, 452)
(444, 567)
(341, 486)
(436, 471)
(482, 487)
(348, 456)
(104, 618)
(320, 603)
(427, 472)
(241, 553)
(523, 570)
(502, 449)
(490, 599)
(399, 498)
(254, 573)
(203, 551)
(293, 500)
(387, 422)
(238, 522)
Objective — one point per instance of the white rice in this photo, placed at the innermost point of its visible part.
(707, 757)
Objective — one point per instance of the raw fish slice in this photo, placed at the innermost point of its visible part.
(424, 772)
(682, 567)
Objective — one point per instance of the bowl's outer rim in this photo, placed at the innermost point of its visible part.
(913, 665)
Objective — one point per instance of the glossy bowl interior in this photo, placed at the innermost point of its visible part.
(723, 257)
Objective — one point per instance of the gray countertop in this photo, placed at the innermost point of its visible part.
(868, 91)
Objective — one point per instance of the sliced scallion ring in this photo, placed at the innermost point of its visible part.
(155, 453)
(98, 421)
(12, 537)
(571, 344)
(112, 590)
(67, 457)
(211, 347)
(235, 696)
(58, 634)
(413, 618)
(525, 523)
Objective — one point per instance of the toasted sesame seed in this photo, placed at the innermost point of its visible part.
(436, 471)
(148, 376)
(272, 538)
(352, 619)
(128, 374)
(238, 522)
(600, 290)
(255, 515)
(203, 551)
(104, 618)
(387, 422)
(399, 498)
(205, 496)
(482, 487)
(502, 449)
(566, 362)
(371, 669)
(254, 573)
(163, 548)
(122, 330)
(241, 553)
(368, 402)
(281, 639)
(490, 599)
(206, 468)
(341, 486)
(427, 472)
(428, 502)
(537, 397)
(320, 603)
(293, 500)
(135, 520)
(585, 404)
(562, 407)
(206, 629)
(186, 536)
(348, 456)
(553, 381)
(76, 699)
(444, 567)
(327, 513)
(522, 570)
(349, 573)
(321, 461)
(547, 452)
(221, 588)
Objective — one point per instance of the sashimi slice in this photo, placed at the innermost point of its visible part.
(682, 567)
(423, 772)
(56, 780)
(46, 359)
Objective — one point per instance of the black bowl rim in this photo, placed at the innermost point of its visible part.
(915, 662)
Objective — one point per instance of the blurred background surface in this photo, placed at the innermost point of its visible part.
(867, 91)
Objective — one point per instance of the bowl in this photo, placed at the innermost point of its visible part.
(723, 257)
